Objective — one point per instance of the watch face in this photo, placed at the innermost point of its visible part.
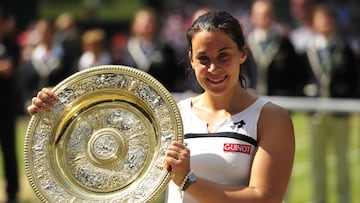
(192, 177)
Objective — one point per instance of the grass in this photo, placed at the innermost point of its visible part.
(300, 188)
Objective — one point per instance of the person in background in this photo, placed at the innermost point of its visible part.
(229, 153)
(45, 65)
(117, 44)
(27, 40)
(302, 33)
(277, 66)
(146, 51)
(68, 35)
(332, 73)
(95, 49)
(9, 55)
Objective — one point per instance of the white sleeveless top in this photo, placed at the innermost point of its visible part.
(225, 155)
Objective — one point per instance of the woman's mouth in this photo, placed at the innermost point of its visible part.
(216, 80)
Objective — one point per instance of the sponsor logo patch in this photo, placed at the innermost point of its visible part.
(236, 147)
(239, 124)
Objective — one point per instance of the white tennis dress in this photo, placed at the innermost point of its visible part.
(225, 155)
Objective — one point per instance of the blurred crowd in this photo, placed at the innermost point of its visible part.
(286, 57)
(51, 50)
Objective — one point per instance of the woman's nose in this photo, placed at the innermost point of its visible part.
(212, 67)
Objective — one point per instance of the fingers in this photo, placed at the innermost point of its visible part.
(32, 109)
(177, 146)
(45, 99)
(178, 151)
(46, 95)
(177, 155)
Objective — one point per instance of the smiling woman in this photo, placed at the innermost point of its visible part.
(227, 128)
(216, 55)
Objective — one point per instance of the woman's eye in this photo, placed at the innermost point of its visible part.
(223, 56)
(203, 60)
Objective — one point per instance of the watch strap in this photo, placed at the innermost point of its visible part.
(187, 181)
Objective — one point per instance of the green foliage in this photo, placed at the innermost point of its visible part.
(106, 10)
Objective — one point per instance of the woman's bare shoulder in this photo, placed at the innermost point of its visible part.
(271, 110)
(276, 120)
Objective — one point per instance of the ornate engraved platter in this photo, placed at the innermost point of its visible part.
(104, 140)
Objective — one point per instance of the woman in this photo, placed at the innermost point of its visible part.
(241, 146)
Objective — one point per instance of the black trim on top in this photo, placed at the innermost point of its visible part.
(224, 134)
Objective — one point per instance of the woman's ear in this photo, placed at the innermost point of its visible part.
(244, 53)
(191, 60)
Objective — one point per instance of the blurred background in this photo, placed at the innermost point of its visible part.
(112, 19)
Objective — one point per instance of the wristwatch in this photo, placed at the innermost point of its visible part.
(189, 179)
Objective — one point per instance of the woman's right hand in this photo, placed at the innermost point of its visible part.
(44, 100)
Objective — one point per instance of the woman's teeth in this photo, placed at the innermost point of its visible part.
(216, 80)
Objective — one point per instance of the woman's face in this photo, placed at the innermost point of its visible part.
(216, 60)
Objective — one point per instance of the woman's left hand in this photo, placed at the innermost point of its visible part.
(177, 161)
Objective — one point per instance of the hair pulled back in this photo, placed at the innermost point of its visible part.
(220, 21)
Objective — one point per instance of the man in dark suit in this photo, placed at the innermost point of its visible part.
(274, 54)
(332, 73)
(146, 51)
(9, 53)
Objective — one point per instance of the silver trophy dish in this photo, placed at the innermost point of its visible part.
(104, 140)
